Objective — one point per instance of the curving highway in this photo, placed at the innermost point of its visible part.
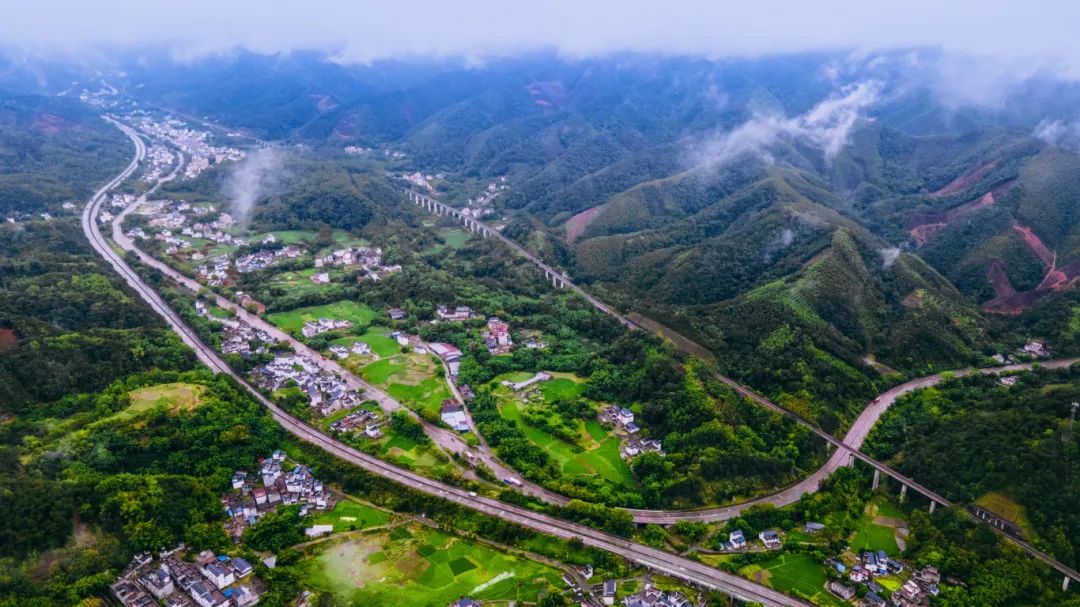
(658, 560)
(846, 449)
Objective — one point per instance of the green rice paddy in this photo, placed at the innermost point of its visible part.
(293, 320)
(796, 574)
(422, 567)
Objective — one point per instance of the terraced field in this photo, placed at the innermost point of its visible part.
(597, 451)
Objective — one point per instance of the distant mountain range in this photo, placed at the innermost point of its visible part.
(820, 222)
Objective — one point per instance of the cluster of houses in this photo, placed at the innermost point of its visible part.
(216, 272)
(651, 596)
(633, 444)
(209, 580)
(914, 592)
(275, 485)
(328, 393)
(497, 336)
(368, 259)
(237, 337)
(492, 190)
(453, 414)
(449, 354)
(361, 419)
(193, 143)
(260, 260)
(453, 313)
(358, 347)
(316, 327)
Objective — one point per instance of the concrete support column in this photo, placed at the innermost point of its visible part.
(851, 460)
(933, 505)
(903, 492)
(1065, 584)
(877, 479)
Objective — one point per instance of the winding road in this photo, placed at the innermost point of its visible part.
(846, 449)
(652, 558)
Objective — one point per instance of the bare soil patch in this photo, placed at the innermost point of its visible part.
(575, 226)
(966, 180)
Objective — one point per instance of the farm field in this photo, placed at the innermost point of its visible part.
(876, 530)
(414, 379)
(421, 567)
(293, 320)
(348, 515)
(378, 338)
(300, 281)
(598, 453)
(796, 574)
(453, 238)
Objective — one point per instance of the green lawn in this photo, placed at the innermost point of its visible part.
(454, 238)
(422, 567)
(796, 574)
(380, 341)
(871, 536)
(563, 386)
(348, 515)
(294, 320)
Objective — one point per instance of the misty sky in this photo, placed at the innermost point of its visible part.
(359, 30)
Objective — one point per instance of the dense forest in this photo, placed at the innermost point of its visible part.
(1012, 449)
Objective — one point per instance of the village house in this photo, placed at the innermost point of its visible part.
(770, 538)
(316, 327)
(449, 355)
(651, 596)
(1036, 349)
(844, 592)
(608, 592)
(130, 595)
(737, 539)
(396, 314)
(497, 336)
(522, 385)
(453, 414)
(453, 313)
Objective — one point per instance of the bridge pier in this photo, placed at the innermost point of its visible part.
(933, 505)
(1065, 584)
(877, 479)
(903, 492)
(851, 460)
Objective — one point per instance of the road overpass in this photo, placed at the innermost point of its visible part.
(658, 560)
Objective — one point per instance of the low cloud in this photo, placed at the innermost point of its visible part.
(257, 175)
(1059, 133)
(827, 127)
(889, 255)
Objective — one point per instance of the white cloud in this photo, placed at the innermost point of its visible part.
(360, 30)
(889, 256)
(1059, 133)
(827, 126)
